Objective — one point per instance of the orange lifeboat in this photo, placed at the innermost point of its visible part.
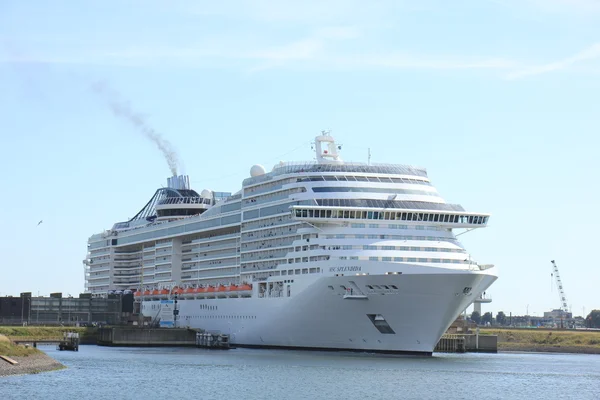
(164, 291)
(178, 291)
(221, 288)
(232, 288)
(146, 293)
(155, 292)
(137, 293)
(210, 289)
(245, 287)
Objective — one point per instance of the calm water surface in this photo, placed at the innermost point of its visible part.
(185, 373)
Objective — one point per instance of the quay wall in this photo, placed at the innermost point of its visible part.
(125, 336)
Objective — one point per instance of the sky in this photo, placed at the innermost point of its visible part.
(498, 99)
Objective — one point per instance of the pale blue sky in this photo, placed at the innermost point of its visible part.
(498, 99)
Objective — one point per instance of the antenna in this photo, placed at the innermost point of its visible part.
(369, 157)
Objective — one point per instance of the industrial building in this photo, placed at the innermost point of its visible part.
(58, 310)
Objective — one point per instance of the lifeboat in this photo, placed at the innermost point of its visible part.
(189, 291)
(221, 288)
(245, 290)
(164, 292)
(137, 293)
(146, 293)
(178, 291)
(232, 288)
(200, 290)
(210, 289)
(155, 292)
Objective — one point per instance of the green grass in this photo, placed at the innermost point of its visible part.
(544, 338)
(42, 332)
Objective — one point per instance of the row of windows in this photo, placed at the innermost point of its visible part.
(223, 208)
(179, 212)
(268, 222)
(402, 248)
(406, 259)
(387, 215)
(395, 169)
(370, 287)
(350, 178)
(177, 230)
(267, 187)
(372, 190)
(372, 203)
(273, 196)
(394, 237)
(188, 317)
(268, 233)
(396, 226)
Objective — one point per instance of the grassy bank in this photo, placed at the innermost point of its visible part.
(546, 340)
(7, 348)
(28, 360)
(87, 335)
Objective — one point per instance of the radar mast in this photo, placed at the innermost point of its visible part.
(326, 149)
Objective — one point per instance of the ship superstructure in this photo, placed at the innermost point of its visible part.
(322, 254)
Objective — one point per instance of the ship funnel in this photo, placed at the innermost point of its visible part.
(178, 182)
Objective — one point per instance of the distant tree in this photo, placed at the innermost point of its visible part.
(487, 317)
(501, 318)
(476, 317)
(593, 319)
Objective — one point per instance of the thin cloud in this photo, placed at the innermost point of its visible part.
(324, 48)
(590, 53)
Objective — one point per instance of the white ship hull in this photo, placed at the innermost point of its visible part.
(418, 312)
(319, 255)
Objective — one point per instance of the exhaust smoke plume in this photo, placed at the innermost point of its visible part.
(122, 109)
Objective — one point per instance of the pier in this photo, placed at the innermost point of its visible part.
(212, 341)
(69, 341)
(467, 343)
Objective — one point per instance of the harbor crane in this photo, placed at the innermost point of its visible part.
(561, 292)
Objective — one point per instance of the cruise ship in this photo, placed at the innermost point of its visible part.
(322, 255)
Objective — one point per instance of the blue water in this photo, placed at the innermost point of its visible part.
(187, 373)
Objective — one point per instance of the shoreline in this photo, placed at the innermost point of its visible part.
(503, 348)
(32, 364)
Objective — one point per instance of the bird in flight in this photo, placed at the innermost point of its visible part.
(41, 220)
